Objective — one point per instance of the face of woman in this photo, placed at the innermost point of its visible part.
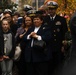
(5, 25)
(28, 21)
(37, 22)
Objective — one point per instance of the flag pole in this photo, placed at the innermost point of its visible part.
(36, 4)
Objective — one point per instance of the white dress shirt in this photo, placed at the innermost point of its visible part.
(52, 18)
(35, 30)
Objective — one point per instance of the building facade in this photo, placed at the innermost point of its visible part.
(40, 3)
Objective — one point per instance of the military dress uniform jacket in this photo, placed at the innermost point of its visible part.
(73, 33)
(58, 27)
(32, 55)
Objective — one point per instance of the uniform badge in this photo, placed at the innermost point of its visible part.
(58, 23)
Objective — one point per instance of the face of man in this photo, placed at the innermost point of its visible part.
(8, 16)
(52, 11)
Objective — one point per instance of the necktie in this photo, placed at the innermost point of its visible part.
(51, 18)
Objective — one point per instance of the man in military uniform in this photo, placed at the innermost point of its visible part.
(58, 27)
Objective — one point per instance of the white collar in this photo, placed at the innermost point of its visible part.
(36, 29)
(53, 17)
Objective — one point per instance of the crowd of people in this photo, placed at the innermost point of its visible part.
(47, 45)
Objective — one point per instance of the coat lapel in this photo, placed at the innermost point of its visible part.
(40, 30)
(32, 29)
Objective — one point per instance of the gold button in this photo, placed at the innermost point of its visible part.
(54, 35)
(54, 39)
(54, 30)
